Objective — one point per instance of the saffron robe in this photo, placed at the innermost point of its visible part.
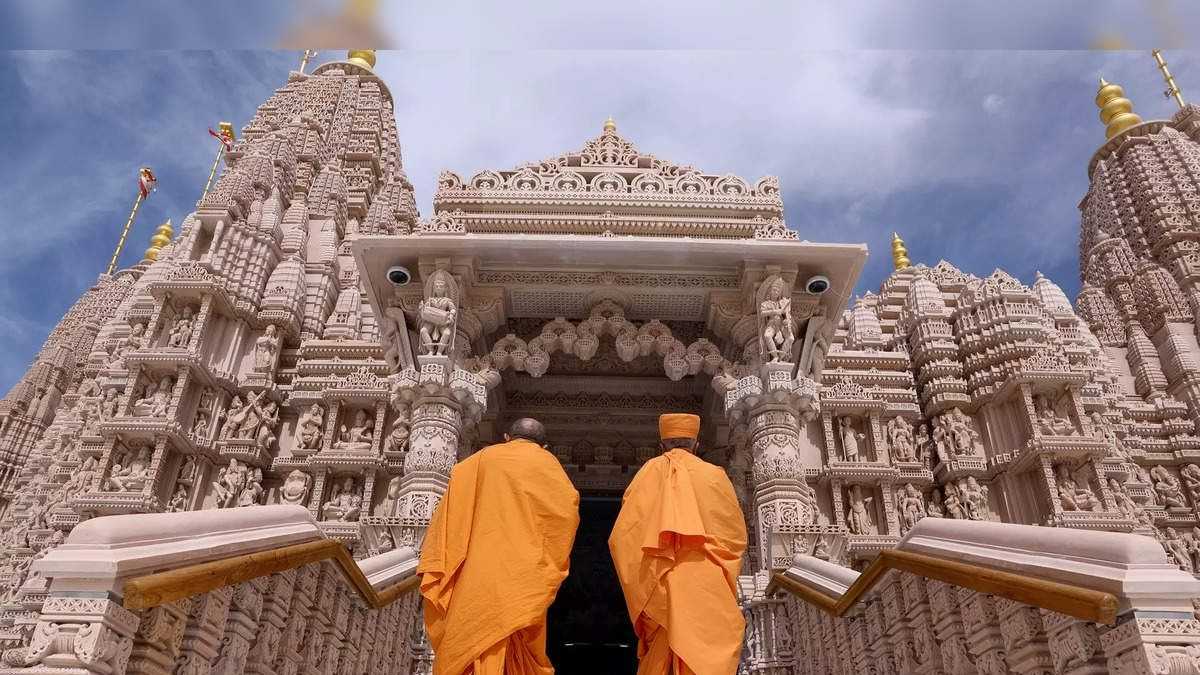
(677, 546)
(497, 548)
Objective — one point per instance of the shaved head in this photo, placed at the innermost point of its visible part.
(528, 429)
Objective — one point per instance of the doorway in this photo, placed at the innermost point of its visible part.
(588, 626)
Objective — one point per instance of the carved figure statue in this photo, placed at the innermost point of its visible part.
(131, 473)
(1051, 424)
(79, 481)
(252, 492)
(200, 426)
(900, 439)
(397, 437)
(1125, 504)
(962, 435)
(850, 438)
(821, 549)
(922, 442)
(935, 508)
(233, 417)
(360, 434)
(179, 499)
(135, 340)
(1166, 487)
(953, 503)
(143, 406)
(387, 507)
(724, 379)
(816, 346)
(437, 313)
(181, 331)
(229, 484)
(911, 507)
(311, 427)
(345, 503)
(858, 516)
(1140, 473)
(1191, 480)
(108, 405)
(265, 437)
(775, 317)
(295, 487)
(161, 401)
(1178, 549)
(1071, 495)
(265, 349)
(975, 498)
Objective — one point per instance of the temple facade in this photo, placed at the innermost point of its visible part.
(309, 339)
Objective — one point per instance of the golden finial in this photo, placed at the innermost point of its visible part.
(610, 127)
(1116, 111)
(361, 57)
(1172, 88)
(162, 237)
(899, 253)
(304, 58)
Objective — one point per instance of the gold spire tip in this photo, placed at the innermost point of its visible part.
(1116, 111)
(899, 253)
(162, 237)
(1172, 88)
(361, 57)
(610, 127)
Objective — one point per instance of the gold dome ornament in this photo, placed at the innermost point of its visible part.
(361, 57)
(610, 127)
(899, 253)
(162, 237)
(1116, 111)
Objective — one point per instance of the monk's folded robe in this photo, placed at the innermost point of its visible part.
(497, 548)
(677, 546)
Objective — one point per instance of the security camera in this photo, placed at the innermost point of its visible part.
(817, 285)
(399, 275)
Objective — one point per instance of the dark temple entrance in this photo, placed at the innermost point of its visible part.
(589, 631)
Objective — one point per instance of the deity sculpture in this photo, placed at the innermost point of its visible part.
(310, 427)
(359, 435)
(921, 443)
(935, 508)
(79, 481)
(131, 473)
(776, 322)
(821, 550)
(962, 436)
(858, 516)
(816, 346)
(1191, 480)
(1139, 472)
(143, 406)
(911, 507)
(724, 379)
(178, 499)
(135, 340)
(975, 498)
(1051, 424)
(397, 437)
(387, 507)
(108, 404)
(252, 492)
(900, 438)
(200, 426)
(181, 331)
(345, 503)
(437, 313)
(229, 484)
(1071, 495)
(295, 487)
(1125, 504)
(1178, 549)
(265, 349)
(88, 388)
(850, 438)
(953, 503)
(1166, 487)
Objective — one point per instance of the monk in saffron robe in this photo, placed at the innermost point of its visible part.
(497, 548)
(677, 546)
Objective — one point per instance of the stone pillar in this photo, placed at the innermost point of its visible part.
(84, 636)
(159, 636)
(773, 406)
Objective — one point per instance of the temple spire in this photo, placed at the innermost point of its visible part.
(610, 127)
(162, 237)
(899, 253)
(1172, 88)
(361, 57)
(1116, 111)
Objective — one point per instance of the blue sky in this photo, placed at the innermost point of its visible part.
(978, 157)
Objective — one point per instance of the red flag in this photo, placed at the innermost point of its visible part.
(226, 137)
(146, 181)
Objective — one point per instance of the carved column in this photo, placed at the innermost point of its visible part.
(241, 628)
(82, 636)
(277, 599)
(205, 627)
(159, 636)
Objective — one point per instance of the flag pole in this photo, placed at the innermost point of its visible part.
(225, 128)
(137, 204)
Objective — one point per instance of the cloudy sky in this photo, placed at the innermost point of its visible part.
(978, 157)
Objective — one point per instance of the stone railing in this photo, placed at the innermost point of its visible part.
(979, 597)
(247, 590)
